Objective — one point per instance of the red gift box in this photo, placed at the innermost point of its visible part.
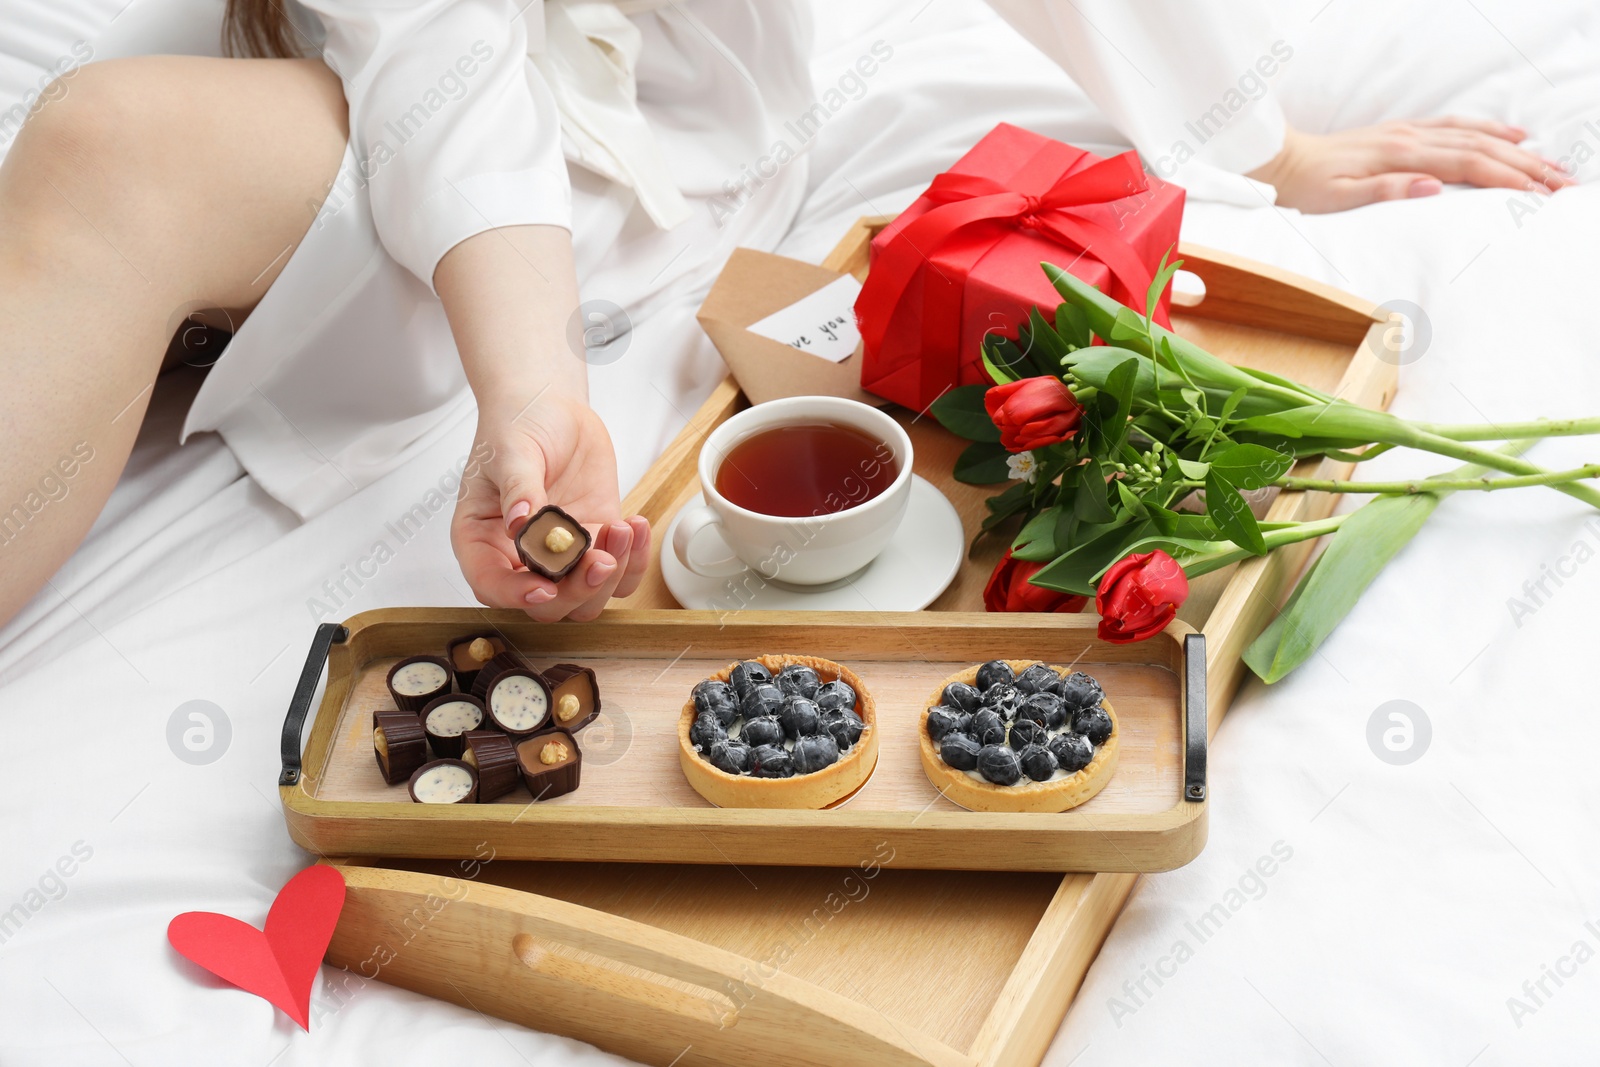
(963, 260)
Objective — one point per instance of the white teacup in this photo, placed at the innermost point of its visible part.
(806, 550)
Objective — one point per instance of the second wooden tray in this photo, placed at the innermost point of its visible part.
(634, 803)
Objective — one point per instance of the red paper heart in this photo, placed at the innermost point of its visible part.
(278, 963)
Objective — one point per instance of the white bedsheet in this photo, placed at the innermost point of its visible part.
(1415, 901)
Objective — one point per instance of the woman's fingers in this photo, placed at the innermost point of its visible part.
(1534, 166)
(573, 591)
(1347, 193)
(638, 562)
(494, 581)
(1503, 131)
(1466, 165)
(603, 583)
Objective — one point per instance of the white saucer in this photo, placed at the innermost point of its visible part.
(916, 567)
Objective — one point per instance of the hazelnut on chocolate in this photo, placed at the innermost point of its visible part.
(575, 696)
(468, 655)
(552, 543)
(551, 764)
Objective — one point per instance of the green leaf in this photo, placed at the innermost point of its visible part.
(1368, 539)
(1132, 502)
(1230, 405)
(1072, 326)
(997, 367)
(1232, 515)
(961, 411)
(1047, 349)
(1075, 571)
(1252, 466)
(1338, 419)
(982, 463)
(1127, 325)
(1038, 536)
(1164, 274)
(1193, 469)
(1182, 524)
(1089, 500)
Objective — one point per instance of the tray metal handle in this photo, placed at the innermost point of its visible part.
(327, 635)
(1194, 717)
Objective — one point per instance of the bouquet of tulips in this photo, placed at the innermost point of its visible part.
(1130, 460)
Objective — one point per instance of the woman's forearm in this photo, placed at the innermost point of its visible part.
(510, 295)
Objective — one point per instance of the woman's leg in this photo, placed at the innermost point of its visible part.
(153, 187)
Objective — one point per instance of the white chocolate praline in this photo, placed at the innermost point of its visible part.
(444, 784)
(454, 718)
(418, 679)
(519, 702)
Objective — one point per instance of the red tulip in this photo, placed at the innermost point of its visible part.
(1010, 590)
(1138, 596)
(1033, 412)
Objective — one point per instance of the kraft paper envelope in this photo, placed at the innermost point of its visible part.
(752, 286)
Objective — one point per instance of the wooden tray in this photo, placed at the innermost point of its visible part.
(634, 803)
(950, 968)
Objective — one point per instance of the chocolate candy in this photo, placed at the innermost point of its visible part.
(445, 781)
(467, 656)
(508, 660)
(418, 679)
(574, 696)
(552, 543)
(447, 718)
(399, 744)
(518, 701)
(551, 764)
(495, 756)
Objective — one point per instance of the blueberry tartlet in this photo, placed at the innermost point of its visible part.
(778, 732)
(1017, 735)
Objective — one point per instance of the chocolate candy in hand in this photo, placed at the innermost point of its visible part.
(445, 781)
(574, 695)
(399, 744)
(551, 764)
(494, 755)
(552, 542)
(418, 679)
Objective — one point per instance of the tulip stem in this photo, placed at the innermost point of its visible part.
(1434, 485)
(1504, 431)
(1301, 531)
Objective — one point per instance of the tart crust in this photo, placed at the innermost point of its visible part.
(1026, 795)
(815, 790)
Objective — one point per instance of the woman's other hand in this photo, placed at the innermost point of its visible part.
(1317, 173)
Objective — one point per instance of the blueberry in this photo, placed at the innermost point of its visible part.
(844, 726)
(798, 679)
(730, 756)
(995, 672)
(1041, 708)
(942, 720)
(1027, 732)
(988, 727)
(1002, 698)
(764, 699)
(999, 764)
(718, 698)
(961, 695)
(1037, 762)
(1078, 690)
(706, 731)
(771, 761)
(764, 730)
(814, 753)
(1072, 751)
(1036, 678)
(835, 695)
(959, 751)
(1092, 723)
(800, 717)
(747, 675)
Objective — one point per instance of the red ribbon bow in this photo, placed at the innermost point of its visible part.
(974, 215)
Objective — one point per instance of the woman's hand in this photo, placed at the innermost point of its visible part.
(1398, 160)
(551, 450)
